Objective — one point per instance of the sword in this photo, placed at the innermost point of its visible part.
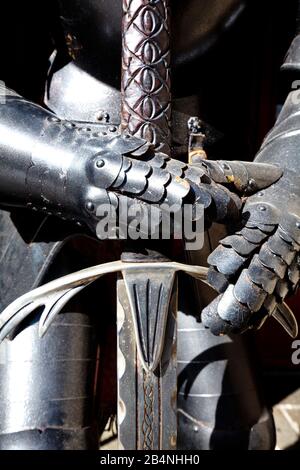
(147, 302)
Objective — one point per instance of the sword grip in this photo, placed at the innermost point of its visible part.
(146, 86)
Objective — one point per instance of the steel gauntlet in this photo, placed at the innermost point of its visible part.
(68, 169)
(258, 266)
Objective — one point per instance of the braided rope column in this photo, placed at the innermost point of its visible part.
(146, 94)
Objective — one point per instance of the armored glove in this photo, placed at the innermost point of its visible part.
(70, 169)
(258, 267)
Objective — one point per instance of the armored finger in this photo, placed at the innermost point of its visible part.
(261, 286)
(246, 177)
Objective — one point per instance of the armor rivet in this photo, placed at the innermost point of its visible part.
(252, 183)
(54, 119)
(262, 208)
(195, 429)
(225, 166)
(90, 206)
(103, 116)
(112, 129)
(127, 136)
(100, 163)
(260, 194)
(86, 129)
(69, 125)
(298, 224)
(104, 133)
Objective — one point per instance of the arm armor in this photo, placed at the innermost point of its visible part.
(259, 266)
(68, 170)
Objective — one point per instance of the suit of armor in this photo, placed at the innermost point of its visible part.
(62, 156)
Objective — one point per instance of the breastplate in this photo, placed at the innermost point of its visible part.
(87, 88)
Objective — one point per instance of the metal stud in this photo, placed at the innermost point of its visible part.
(100, 163)
(90, 206)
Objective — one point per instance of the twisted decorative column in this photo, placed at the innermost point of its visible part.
(147, 405)
(146, 94)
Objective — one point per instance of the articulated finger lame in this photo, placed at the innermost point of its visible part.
(69, 169)
(255, 269)
(245, 177)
